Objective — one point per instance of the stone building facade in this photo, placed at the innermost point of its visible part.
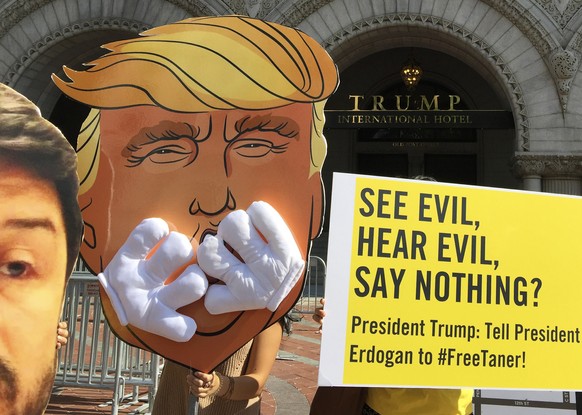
(520, 58)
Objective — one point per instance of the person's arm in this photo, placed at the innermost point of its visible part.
(262, 357)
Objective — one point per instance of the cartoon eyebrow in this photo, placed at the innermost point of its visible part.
(165, 130)
(31, 223)
(284, 126)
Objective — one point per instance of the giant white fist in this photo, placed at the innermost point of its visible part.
(269, 269)
(134, 281)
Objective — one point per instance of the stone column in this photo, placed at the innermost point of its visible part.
(563, 185)
(550, 172)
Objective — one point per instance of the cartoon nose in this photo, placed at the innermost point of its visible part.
(213, 204)
(210, 175)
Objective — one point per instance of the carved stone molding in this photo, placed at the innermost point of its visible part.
(253, 8)
(193, 7)
(464, 36)
(39, 46)
(564, 64)
(527, 23)
(531, 26)
(18, 11)
(548, 46)
(547, 165)
(561, 11)
(300, 10)
(519, 15)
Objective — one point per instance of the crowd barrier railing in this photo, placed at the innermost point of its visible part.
(314, 287)
(94, 357)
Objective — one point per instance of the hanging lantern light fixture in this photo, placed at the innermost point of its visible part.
(411, 73)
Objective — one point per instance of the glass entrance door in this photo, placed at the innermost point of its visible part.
(401, 155)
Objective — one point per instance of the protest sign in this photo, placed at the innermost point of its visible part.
(441, 285)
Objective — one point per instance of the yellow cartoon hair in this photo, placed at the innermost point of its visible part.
(209, 63)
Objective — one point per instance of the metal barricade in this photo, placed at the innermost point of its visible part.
(314, 287)
(94, 357)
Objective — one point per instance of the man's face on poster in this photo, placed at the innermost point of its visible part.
(33, 258)
(192, 169)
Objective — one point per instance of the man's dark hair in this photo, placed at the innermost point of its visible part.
(31, 142)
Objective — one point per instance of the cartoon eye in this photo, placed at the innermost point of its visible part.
(162, 154)
(256, 148)
(14, 269)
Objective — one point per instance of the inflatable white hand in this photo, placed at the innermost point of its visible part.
(135, 283)
(269, 271)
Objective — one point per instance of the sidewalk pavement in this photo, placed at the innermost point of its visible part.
(289, 390)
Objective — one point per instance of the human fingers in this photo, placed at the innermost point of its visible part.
(319, 313)
(201, 384)
(204, 377)
(61, 341)
(62, 334)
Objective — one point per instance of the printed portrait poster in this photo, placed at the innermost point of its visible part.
(439, 285)
(200, 164)
(40, 233)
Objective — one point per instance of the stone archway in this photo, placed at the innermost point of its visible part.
(438, 34)
(39, 36)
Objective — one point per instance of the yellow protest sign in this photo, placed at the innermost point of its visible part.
(431, 284)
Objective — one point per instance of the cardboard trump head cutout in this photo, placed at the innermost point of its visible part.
(201, 188)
